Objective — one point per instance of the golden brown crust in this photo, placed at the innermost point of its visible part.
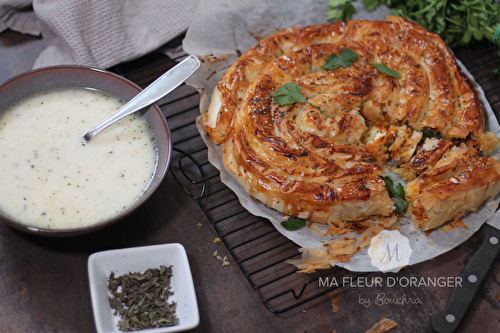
(457, 184)
(434, 92)
(428, 154)
(324, 165)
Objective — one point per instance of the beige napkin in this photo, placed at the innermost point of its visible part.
(94, 32)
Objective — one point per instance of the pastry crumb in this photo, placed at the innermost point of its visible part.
(382, 326)
(336, 250)
(453, 225)
(334, 296)
(24, 291)
(224, 260)
(217, 240)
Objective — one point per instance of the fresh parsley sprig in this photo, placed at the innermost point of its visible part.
(458, 22)
(290, 93)
(293, 223)
(397, 192)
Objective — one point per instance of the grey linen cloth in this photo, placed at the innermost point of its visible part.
(94, 32)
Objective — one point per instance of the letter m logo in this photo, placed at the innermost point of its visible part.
(392, 253)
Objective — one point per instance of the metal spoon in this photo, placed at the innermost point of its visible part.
(155, 91)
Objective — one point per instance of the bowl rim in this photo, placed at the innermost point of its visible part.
(151, 188)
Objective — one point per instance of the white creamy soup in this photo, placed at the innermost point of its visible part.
(51, 178)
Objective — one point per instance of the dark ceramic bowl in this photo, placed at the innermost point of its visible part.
(52, 78)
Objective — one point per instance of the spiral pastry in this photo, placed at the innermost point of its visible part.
(322, 159)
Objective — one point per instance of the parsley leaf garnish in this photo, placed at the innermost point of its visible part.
(397, 192)
(382, 68)
(291, 93)
(293, 223)
(347, 58)
(339, 10)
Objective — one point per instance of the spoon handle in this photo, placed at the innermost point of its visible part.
(155, 91)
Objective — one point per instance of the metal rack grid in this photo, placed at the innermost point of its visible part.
(256, 246)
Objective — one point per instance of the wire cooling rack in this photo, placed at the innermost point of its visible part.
(256, 246)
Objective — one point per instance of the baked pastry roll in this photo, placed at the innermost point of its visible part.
(458, 183)
(322, 159)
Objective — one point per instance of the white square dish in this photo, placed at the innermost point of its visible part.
(139, 259)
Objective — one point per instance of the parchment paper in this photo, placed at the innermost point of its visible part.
(221, 29)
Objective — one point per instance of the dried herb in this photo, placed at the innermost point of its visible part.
(141, 299)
